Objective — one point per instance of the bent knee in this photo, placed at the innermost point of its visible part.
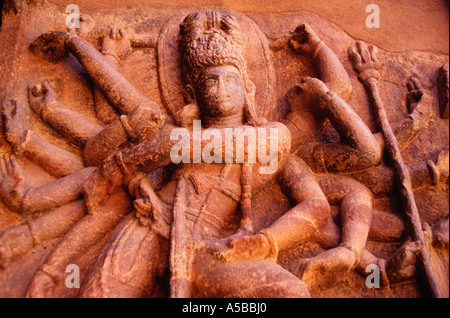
(371, 155)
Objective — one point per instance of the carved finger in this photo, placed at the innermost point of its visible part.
(373, 51)
(36, 90)
(143, 207)
(9, 110)
(120, 33)
(355, 57)
(46, 87)
(417, 85)
(2, 166)
(112, 34)
(14, 164)
(363, 51)
(7, 162)
(410, 85)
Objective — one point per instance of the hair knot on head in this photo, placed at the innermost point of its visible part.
(210, 39)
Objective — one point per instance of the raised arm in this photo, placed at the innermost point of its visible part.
(56, 161)
(124, 96)
(74, 127)
(23, 199)
(331, 72)
(358, 148)
(114, 50)
(140, 119)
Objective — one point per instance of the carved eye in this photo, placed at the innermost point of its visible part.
(210, 82)
(231, 80)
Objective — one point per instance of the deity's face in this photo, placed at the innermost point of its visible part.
(220, 91)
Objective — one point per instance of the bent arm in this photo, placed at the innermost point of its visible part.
(56, 161)
(331, 71)
(76, 128)
(358, 149)
(138, 126)
(55, 194)
(124, 96)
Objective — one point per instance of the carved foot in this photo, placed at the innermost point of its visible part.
(42, 286)
(255, 247)
(14, 242)
(326, 269)
(401, 266)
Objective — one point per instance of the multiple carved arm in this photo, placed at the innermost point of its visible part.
(358, 149)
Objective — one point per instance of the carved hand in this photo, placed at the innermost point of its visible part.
(365, 61)
(15, 241)
(307, 93)
(147, 203)
(255, 247)
(86, 26)
(116, 44)
(51, 45)
(415, 93)
(13, 115)
(12, 189)
(401, 266)
(142, 122)
(40, 96)
(304, 40)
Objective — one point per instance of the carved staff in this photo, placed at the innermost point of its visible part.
(179, 280)
(367, 65)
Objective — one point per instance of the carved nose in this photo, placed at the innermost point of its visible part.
(221, 89)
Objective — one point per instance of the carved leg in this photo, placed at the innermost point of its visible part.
(16, 241)
(248, 279)
(381, 182)
(333, 265)
(128, 263)
(82, 236)
(400, 267)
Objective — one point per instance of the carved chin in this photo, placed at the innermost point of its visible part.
(223, 109)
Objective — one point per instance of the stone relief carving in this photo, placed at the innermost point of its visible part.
(88, 176)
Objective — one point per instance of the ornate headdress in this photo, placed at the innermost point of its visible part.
(210, 39)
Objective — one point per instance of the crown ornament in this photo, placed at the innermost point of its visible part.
(210, 39)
